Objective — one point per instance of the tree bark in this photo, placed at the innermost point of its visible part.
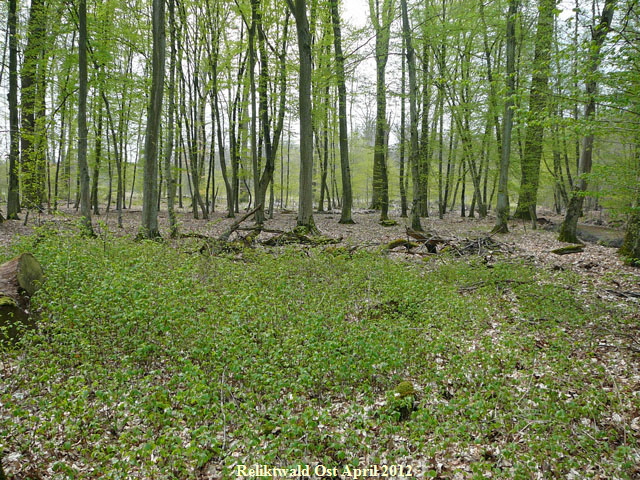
(538, 95)
(271, 141)
(168, 170)
(305, 200)
(345, 169)
(85, 199)
(403, 130)
(381, 19)
(502, 206)
(570, 224)
(414, 153)
(30, 133)
(149, 227)
(96, 165)
(13, 195)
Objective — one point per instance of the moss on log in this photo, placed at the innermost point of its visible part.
(20, 278)
(401, 242)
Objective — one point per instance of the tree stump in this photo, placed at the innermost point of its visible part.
(20, 278)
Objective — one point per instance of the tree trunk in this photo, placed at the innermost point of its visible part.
(29, 132)
(149, 227)
(570, 224)
(271, 141)
(20, 278)
(423, 140)
(305, 200)
(85, 199)
(502, 206)
(255, 19)
(414, 153)
(345, 169)
(96, 164)
(530, 165)
(168, 170)
(381, 19)
(631, 246)
(13, 195)
(403, 130)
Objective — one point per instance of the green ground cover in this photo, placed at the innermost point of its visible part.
(152, 362)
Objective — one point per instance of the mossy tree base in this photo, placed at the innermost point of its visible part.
(630, 249)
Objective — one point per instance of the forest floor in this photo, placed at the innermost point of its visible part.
(492, 358)
(598, 262)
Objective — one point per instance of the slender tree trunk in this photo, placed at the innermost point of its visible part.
(423, 140)
(493, 101)
(255, 19)
(61, 153)
(450, 166)
(271, 142)
(570, 224)
(414, 152)
(345, 169)
(324, 152)
(305, 198)
(286, 201)
(29, 132)
(149, 228)
(502, 207)
(85, 201)
(530, 165)
(169, 147)
(381, 17)
(403, 130)
(96, 164)
(13, 196)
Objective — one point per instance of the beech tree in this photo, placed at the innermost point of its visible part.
(305, 201)
(381, 17)
(13, 194)
(149, 228)
(414, 152)
(538, 98)
(599, 34)
(85, 200)
(347, 195)
(502, 207)
(32, 94)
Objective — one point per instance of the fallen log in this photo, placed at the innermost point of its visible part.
(578, 248)
(221, 244)
(300, 236)
(401, 242)
(20, 278)
(235, 225)
(430, 241)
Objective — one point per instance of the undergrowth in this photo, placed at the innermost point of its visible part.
(150, 362)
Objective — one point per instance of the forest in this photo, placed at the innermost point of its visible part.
(248, 238)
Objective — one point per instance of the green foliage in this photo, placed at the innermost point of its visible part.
(154, 363)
